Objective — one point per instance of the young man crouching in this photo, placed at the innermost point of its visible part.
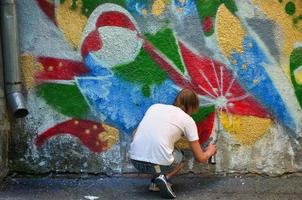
(152, 148)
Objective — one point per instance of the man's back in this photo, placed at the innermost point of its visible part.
(160, 128)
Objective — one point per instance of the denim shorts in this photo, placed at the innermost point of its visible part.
(151, 168)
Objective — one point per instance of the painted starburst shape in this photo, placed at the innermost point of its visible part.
(218, 90)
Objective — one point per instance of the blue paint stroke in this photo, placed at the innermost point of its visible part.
(136, 6)
(188, 7)
(120, 103)
(257, 81)
(96, 67)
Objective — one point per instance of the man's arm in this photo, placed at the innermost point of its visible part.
(200, 155)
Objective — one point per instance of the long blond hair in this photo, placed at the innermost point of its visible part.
(187, 100)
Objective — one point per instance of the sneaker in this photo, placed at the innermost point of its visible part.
(165, 189)
(153, 187)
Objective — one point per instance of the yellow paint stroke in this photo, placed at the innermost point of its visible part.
(71, 22)
(144, 12)
(182, 144)
(230, 34)
(290, 35)
(298, 75)
(110, 135)
(158, 7)
(246, 129)
(29, 67)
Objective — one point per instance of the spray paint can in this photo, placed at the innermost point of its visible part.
(212, 160)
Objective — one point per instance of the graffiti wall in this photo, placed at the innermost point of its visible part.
(91, 68)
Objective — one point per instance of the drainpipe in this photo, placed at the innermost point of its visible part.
(10, 52)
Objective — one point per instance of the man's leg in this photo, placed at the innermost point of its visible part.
(154, 188)
(174, 171)
(162, 180)
(177, 164)
(159, 183)
(164, 187)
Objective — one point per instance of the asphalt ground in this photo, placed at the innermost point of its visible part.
(134, 187)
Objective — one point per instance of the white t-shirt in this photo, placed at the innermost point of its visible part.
(161, 127)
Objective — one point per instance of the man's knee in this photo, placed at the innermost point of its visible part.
(178, 157)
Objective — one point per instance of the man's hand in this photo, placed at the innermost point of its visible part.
(211, 149)
(200, 155)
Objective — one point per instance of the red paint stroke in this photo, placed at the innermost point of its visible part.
(59, 69)
(205, 75)
(48, 8)
(207, 24)
(217, 82)
(91, 43)
(205, 128)
(87, 131)
(115, 18)
(166, 66)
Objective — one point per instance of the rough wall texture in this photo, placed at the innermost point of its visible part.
(92, 68)
(4, 126)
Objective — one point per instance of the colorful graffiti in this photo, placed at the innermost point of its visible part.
(126, 66)
(96, 137)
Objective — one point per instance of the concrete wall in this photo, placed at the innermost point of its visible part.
(92, 68)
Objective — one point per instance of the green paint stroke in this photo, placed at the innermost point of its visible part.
(74, 5)
(65, 99)
(88, 6)
(165, 41)
(290, 8)
(143, 71)
(295, 63)
(203, 113)
(230, 5)
(209, 8)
